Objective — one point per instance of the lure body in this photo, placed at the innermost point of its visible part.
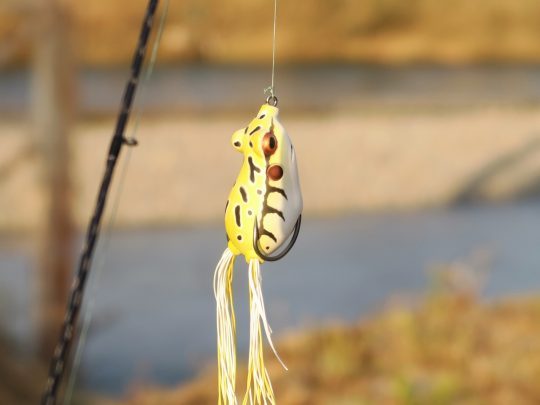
(265, 202)
(263, 212)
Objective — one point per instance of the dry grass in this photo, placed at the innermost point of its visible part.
(450, 350)
(386, 31)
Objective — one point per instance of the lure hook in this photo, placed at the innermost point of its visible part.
(266, 258)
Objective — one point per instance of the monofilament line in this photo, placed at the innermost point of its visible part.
(274, 47)
(271, 89)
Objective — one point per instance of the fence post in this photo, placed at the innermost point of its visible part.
(51, 112)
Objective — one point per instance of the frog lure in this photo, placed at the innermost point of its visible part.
(262, 221)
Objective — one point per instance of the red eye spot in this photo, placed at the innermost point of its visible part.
(275, 172)
(269, 144)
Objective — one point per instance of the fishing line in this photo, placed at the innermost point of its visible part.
(272, 99)
(103, 246)
(58, 362)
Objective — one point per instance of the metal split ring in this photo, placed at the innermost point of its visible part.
(272, 100)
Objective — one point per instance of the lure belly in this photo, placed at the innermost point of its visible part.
(262, 221)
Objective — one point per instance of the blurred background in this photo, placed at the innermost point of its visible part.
(417, 126)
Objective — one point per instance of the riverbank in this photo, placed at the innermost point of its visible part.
(451, 349)
(364, 161)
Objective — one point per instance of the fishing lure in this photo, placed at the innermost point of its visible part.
(262, 221)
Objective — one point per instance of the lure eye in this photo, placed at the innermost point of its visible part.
(275, 172)
(269, 144)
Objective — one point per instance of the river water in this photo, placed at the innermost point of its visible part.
(202, 88)
(151, 289)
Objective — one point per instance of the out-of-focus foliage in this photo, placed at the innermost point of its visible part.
(451, 349)
(387, 31)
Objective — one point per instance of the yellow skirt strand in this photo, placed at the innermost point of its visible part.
(226, 328)
(259, 388)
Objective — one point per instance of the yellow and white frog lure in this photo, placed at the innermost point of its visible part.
(262, 220)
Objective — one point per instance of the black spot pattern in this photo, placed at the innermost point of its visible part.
(272, 189)
(237, 215)
(244, 194)
(254, 130)
(252, 169)
(271, 210)
(267, 209)
(268, 233)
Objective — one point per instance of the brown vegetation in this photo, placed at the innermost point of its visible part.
(451, 350)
